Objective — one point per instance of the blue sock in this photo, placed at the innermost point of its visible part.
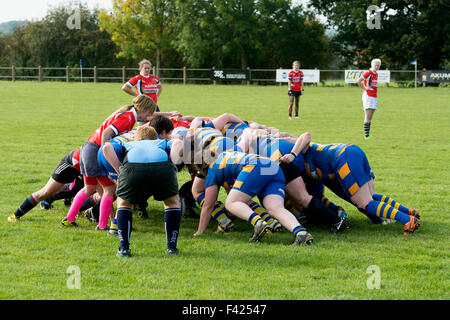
(172, 218)
(382, 209)
(200, 199)
(298, 229)
(390, 201)
(124, 218)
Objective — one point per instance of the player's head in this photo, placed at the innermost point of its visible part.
(145, 107)
(376, 64)
(145, 66)
(162, 125)
(145, 133)
(296, 64)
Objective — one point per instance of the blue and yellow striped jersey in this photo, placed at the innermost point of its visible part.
(202, 135)
(322, 158)
(226, 168)
(222, 144)
(274, 149)
(234, 130)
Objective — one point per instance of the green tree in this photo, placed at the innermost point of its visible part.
(242, 33)
(141, 28)
(410, 29)
(50, 42)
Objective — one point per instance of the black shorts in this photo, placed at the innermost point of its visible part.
(295, 93)
(290, 171)
(65, 172)
(139, 181)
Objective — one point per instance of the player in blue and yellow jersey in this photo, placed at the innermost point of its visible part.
(215, 123)
(248, 175)
(345, 167)
(312, 207)
(234, 130)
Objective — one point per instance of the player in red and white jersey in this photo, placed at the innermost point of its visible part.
(144, 83)
(296, 89)
(147, 84)
(369, 83)
(121, 121)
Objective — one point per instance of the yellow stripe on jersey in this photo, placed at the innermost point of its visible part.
(343, 149)
(238, 158)
(276, 155)
(320, 147)
(248, 168)
(354, 188)
(319, 173)
(333, 146)
(224, 160)
(344, 171)
(237, 184)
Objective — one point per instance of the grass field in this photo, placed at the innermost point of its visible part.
(409, 154)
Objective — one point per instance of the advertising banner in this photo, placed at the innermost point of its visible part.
(309, 75)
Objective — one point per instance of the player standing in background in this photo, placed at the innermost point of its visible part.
(295, 84)
(145, 83)
(369, 83)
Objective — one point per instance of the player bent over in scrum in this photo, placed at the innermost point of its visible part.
(247, 175)
(147, 171)
(344, 168)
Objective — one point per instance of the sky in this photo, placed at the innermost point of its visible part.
(37, 9)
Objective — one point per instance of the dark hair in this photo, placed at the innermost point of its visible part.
(161, 123)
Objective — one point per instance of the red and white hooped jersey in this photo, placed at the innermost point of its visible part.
(371, 81)
(296, 78)
(119, 122)
(146, 85)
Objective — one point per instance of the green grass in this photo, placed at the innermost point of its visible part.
(409, 155)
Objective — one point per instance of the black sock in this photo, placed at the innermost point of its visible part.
(124, 218)
(366, 128)
(320, 213)
(26, 206)
(89, 203)
(172, 218)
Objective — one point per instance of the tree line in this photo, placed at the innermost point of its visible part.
(234, 34)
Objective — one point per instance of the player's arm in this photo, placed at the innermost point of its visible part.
(222, 120)
(176, 152)
(301, 145)
(126, 87)
(208, 205)
(111, 156)
(360, 83)
(108, 134)
(159, 90)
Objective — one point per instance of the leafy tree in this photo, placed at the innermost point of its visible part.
(50, 42)
(242, 33)
(141, 28)
(409, 29)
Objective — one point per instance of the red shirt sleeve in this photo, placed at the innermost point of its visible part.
(366, 75)
(123, 123)
(133, 80)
